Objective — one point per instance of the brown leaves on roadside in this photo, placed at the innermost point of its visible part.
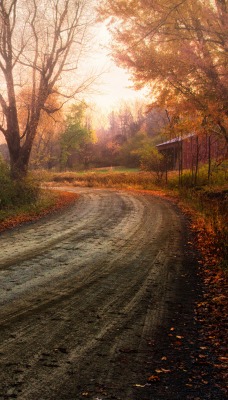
(212, 311)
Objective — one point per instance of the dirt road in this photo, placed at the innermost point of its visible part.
(87, 297)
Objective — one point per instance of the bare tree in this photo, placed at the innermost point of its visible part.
(40, 41)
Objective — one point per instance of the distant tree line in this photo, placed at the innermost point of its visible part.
(68, 141)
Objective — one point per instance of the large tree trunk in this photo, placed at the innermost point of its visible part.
(19, 161)
(19, 147)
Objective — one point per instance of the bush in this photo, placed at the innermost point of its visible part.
(25, 192)
(218, 177)
(5, 185)
(15, 193)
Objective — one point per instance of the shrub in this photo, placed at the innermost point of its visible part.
(5, 185)
(25, 192)
(15, 193)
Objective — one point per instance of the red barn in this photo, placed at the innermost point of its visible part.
(190, 150)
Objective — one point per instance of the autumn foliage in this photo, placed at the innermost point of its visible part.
(178, 49)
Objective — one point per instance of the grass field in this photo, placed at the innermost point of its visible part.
(102, 177)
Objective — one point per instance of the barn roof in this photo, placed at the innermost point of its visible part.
(176, 140)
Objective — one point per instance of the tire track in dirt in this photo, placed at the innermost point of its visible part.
(83, 293)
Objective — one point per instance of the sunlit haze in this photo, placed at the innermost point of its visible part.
(114, 84)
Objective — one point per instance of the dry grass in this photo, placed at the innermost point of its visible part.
(119, 180)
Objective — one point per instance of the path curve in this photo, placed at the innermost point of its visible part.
(84, 293)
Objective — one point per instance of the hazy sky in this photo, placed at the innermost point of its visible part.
(114, 84)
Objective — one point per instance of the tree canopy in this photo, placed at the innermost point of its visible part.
(77, 137)
(178, 48)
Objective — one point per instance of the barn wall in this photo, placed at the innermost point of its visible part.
(189, 150)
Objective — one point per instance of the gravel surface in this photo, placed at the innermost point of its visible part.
(98, 302)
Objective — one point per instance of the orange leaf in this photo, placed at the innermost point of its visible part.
(153, 378)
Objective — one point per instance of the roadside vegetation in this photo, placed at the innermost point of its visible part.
(23, 201)
(208, 202)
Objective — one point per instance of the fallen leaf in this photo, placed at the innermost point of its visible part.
(162, 371)
(138, 385)
(153, 378)
(223, 358)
